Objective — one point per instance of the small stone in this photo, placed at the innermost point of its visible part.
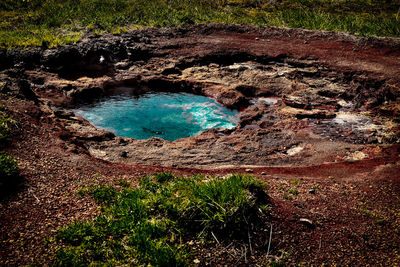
(124, 154)
(294, 150)
(102, 59)
(249, 170)
(311, 191)
(263, 173)
(123, 65)
(307, 222)
(257, 38)
(359, 155)
(305, 42)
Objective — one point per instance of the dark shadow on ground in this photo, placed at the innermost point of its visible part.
(11, 187)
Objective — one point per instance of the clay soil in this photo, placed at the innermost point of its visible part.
(319, 117)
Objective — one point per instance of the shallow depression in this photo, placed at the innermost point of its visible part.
(167, 115)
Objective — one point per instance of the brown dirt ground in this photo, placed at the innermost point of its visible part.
(355, 209)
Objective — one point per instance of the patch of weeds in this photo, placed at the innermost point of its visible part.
(124, 183)
(316, 187)
(373, 215)
(295, 182)
(8, 166)
(367, 210)
(146, 225)
(82, 192)
(164, 177)
(96, 179)
(103, 194)
(97, 176)
(119, 30)
(4, 125)
(9, 171)
(265, 209)
(281, 260)
(287, 196)
(226, 206)
(281, 187)
(293, 191)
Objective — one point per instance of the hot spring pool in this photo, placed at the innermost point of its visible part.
(167, 115)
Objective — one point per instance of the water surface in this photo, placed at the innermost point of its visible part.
(167, 115)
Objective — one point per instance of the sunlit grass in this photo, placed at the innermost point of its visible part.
(38, 37)
(148, 225)
(58, 22)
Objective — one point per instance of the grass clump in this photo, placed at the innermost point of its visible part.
(8, 168)
(148, 225)
(282, 188)
(55, 22)
(287, 196)
(293, 191)
(4, 125)
(124, 183)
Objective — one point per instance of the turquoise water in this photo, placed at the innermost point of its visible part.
(167, 115)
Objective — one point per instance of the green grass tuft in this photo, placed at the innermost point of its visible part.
(124, 183)
(164, 177)
(4, 127)
(147, 225)
(293, 191)
(220, 204)
(103, 194)
(8, 168)
(287, 196)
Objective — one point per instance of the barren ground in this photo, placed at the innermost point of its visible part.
(320, 111)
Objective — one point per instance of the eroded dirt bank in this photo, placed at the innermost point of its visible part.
(318, 108)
